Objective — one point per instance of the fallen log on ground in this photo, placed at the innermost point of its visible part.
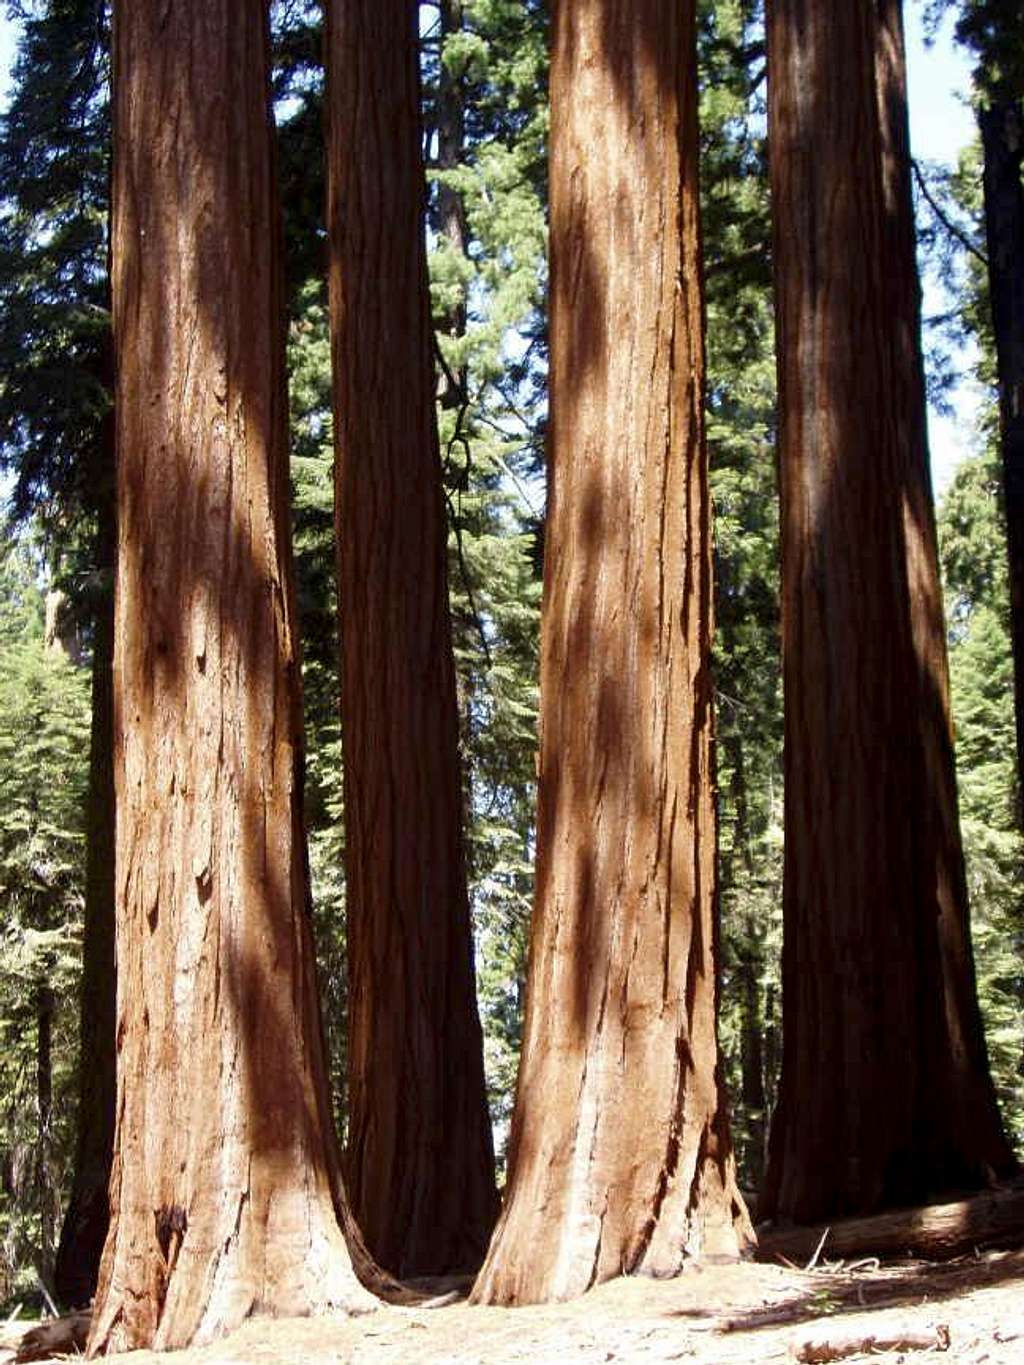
(59, 1337)
(826, 1346)
(934, 1232)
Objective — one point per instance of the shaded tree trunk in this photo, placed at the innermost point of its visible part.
(419, 1161)
(749, 954)
(224, 1196)
(752, 1063)
(46, 1192)
(87, 1218)
(1001, 120)
(885, 1095)
(620, 1158)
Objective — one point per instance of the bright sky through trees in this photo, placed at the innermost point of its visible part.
(7, 34)
(941, 124)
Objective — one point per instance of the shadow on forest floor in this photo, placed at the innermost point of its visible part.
(864, 1285)
(745, 1313)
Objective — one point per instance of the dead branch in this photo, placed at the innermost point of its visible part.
(838, 1346)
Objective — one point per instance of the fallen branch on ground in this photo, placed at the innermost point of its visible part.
(836, 1346)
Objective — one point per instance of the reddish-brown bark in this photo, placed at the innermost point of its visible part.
(885, 1093)
(419, 1162)
(620, 1158)
(223, 1190)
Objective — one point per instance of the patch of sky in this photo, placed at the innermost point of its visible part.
(941, 125)
(8, 39)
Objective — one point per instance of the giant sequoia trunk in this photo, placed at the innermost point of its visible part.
(419, 1162)
(885, 1094)
(223, 1190)
(620, 1158)
(86, 1220)
(1002, 139)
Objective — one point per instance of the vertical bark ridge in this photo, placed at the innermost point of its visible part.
(224, 1193)
(419, 1161)
(885, 1095)
(620, 1158)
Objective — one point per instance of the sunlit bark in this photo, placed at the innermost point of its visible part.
(620, 1157)
(224, 1195)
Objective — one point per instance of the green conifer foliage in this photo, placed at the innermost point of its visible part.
(312, 463)
(972, 544)
(54, 321)
(748, 696)
(44, 743)
(488, 293)
(973, 551)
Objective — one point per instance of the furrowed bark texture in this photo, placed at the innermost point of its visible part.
(885, 1093)
(620, 1159)
(222, 1192)
(1002, 140)
(419, 1161)
(84, 1229)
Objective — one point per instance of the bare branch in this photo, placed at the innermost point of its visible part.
(943, 218)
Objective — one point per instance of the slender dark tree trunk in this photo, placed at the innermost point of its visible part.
(1002, 138)
(620, 1157)
(885, 1095)
(451, 210)
(88, 1214)
(46, 1192)
(752, 1062)
(419, 1162)
(749, 965)
(225, 1200)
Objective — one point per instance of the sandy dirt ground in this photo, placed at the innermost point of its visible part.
(970, 1310)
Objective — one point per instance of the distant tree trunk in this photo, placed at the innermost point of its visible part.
(88, 1214)
(224, 1197)
(885, 1095)
(752, 1063)
(419, 1161)
(748, 970)
(45, 1190)
(1002, 138)
(451, 210)
(620, 1158)
(60, 630)
(449, 223)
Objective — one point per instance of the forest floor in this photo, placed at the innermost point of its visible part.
(970, 1311)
